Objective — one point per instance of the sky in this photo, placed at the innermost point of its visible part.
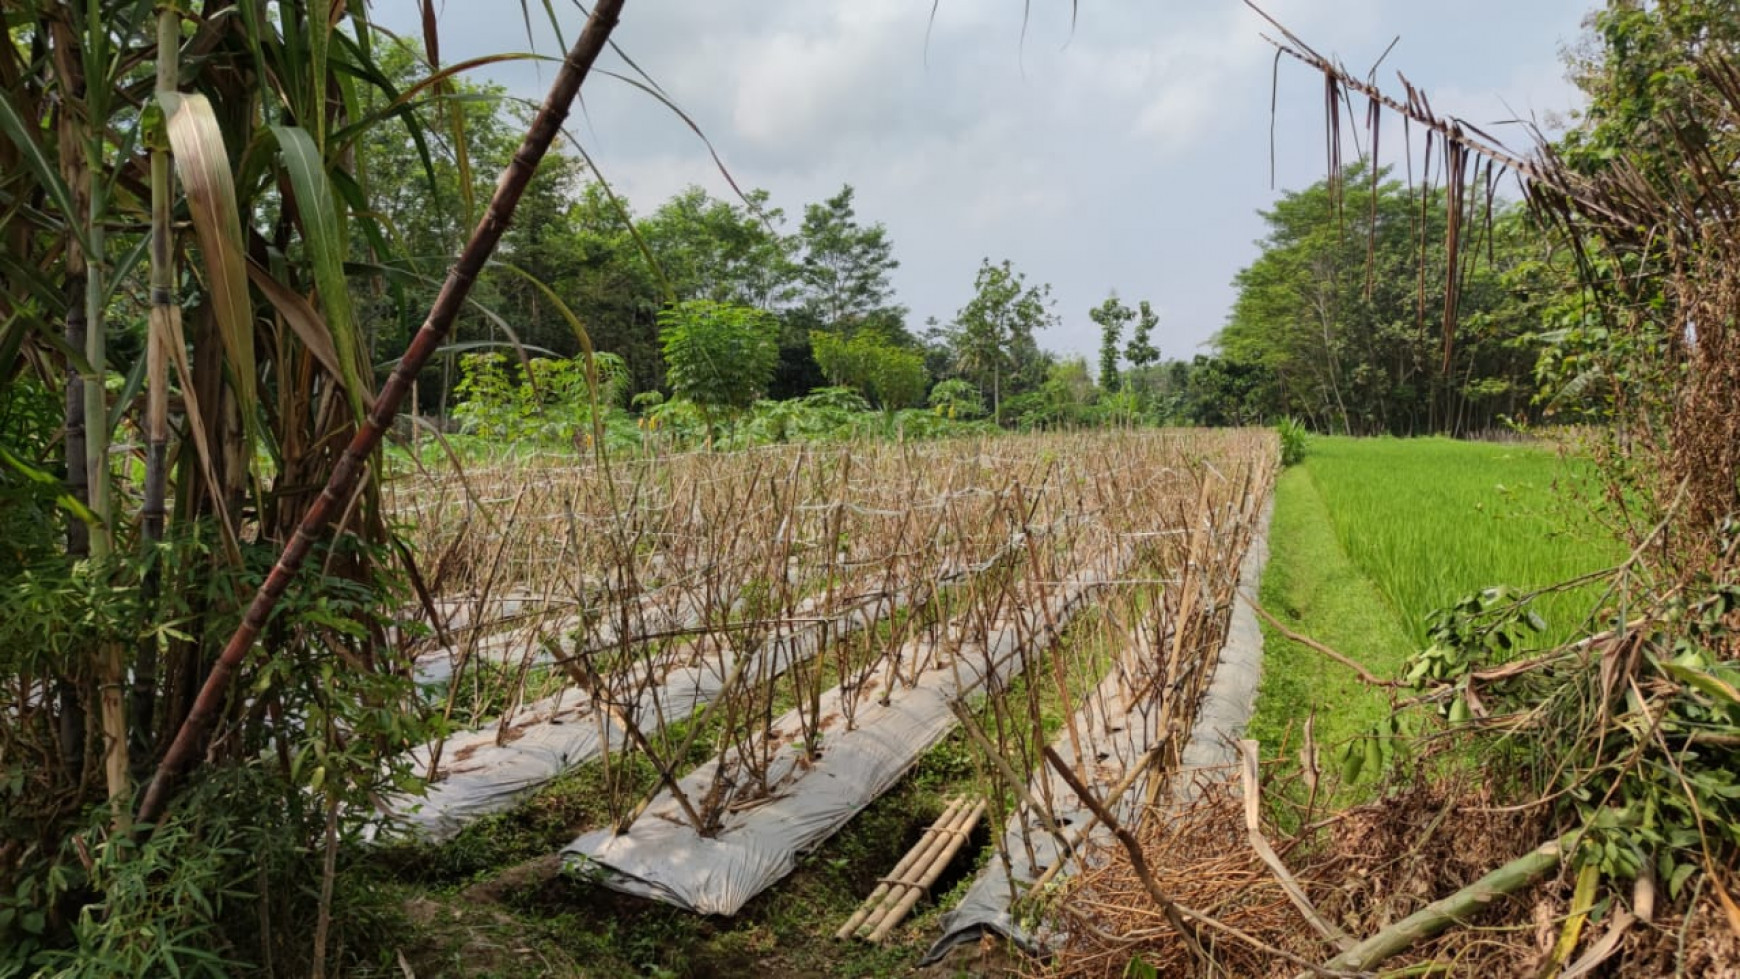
(1129, 151)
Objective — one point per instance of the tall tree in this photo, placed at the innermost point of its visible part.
(993, 334)
(1338, 312)
(1141, 352)
(844, 269)
(713, 249)
(1111, 316)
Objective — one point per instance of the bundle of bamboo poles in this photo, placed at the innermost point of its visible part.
(895, 895)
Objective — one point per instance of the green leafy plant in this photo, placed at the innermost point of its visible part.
(719, 356)
(1295, 441)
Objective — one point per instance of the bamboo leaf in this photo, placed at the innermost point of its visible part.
(204, 169)
(29, 144)
(325, 235)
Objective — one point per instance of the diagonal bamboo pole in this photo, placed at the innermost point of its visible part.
(460, 278)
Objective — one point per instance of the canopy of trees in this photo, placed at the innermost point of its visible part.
(1339, 323)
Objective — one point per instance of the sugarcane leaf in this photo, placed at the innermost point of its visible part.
(204, 169)
(305, 321)
(324, 233)
(124, 268)
(11, 340)
(29, 141)
(1704, 682)
(50, 336)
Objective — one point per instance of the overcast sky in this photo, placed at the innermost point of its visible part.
(1131, 153)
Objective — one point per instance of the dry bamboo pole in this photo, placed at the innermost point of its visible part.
(1260, 843)
(906, 865)
(575, 67)
(956, 837)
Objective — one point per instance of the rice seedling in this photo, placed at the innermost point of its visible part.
(1432, 520)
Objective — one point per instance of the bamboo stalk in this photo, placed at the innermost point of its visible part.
(938, 864)
(448, 302)
(923, 856)
(1441, 914)
(901, 869)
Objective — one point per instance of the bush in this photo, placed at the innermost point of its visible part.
(1294, 441)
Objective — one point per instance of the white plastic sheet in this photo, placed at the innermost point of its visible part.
(662, 857)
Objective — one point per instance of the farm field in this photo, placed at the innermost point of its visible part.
(733, 688)
(1372, 536)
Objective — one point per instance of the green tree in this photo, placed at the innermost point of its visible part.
(712, 249)
(843, 270)
(719, 356)
(1142, 354)
(894, 377)
(1111, 316)
(992, 338)
(1337, 311)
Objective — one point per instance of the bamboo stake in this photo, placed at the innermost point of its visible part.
(448, 302)
(938, 864)
(936, 839)
(901, 869)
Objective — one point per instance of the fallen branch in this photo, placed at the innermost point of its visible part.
(1365, 675)
(1441, 914)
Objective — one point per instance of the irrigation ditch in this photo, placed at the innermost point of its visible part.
(737, 654)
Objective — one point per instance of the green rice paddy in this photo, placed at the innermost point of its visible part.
(1370, 536)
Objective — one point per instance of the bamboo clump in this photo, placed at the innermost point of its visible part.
(916, 872)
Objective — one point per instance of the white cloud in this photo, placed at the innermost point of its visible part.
(1131, 153)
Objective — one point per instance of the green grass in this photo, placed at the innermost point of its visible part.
(1431, 520)
(1371, 536)
(1312, 586)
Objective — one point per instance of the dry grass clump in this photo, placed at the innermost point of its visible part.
(1198, 856)
(1364, 870)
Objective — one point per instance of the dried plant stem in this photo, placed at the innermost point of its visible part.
(1260, 843)
(1133, 849)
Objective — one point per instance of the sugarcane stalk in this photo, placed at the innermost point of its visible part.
(578, 63)
(157, 338)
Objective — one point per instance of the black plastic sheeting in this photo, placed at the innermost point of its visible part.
(662, 857)
(1122, 732)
